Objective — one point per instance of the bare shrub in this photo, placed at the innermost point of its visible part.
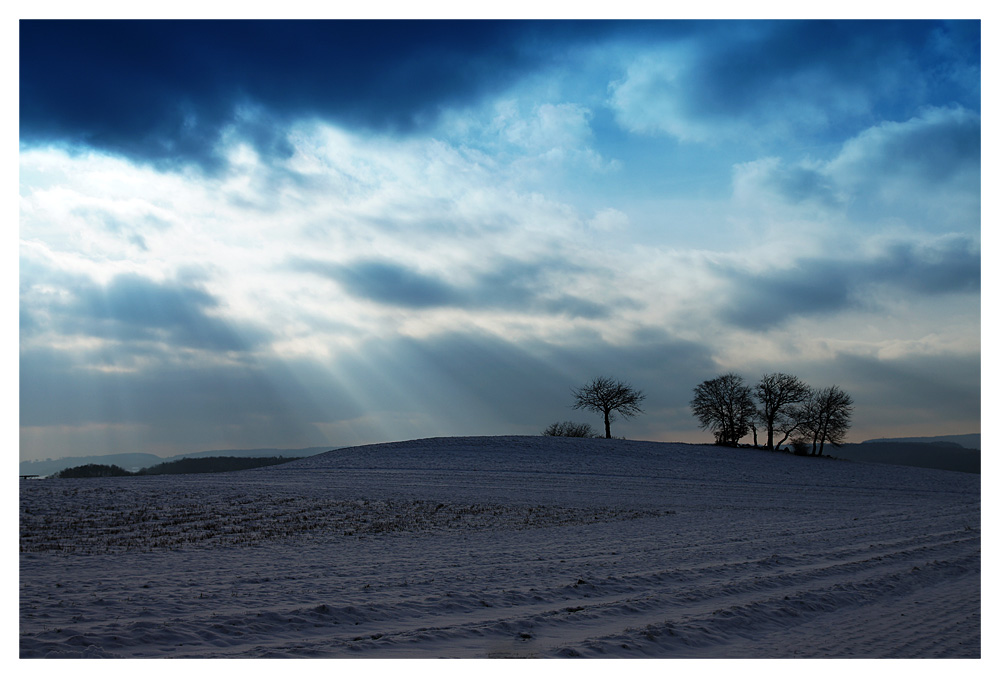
(569, 429)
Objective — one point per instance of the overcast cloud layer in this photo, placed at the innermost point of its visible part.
(293, 234)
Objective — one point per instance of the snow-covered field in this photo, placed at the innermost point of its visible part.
(507, 547)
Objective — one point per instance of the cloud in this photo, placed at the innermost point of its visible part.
(609, 220)
(520, 286)
(547, 127)
(810, 288)
(795, 184)
(534, 141)
(411, 237)
(131, 307)
(164, 91)
(649, 99)
(924, 172)
(161, 89)
(820, 286)
(763, 81)
(939, 148)
(167, 91)
(131, 311)
(390, 284)
(944, 266)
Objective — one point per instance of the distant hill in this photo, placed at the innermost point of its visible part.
(135, 461)
(940, 455)
(968, 440)
(214, 464)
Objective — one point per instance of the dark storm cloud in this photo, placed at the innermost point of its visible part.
(510, 285)
(756, 67)
(818, 286)
(762, 81)
(163, 90)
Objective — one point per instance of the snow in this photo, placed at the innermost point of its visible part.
(509, 546)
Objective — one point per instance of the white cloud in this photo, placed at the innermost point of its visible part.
(530, 140)
(443, 210)
(609, 220)
(650, 98)
(452, 213)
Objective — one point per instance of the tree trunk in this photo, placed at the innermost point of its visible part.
(782, 441)
(607, 424)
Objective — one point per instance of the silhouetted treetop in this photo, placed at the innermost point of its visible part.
(609, 396)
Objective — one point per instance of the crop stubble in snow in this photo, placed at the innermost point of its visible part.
(507, 547)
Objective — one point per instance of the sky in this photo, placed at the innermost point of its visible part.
(294, 234)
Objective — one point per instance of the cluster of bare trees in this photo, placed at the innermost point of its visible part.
(779, 404)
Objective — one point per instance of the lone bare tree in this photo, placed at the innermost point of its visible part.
(827, 416)
(778, 395)
(609, 396)
(724, 406)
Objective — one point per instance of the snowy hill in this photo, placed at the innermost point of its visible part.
(510, 546)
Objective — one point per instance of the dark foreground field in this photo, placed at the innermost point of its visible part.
(507, 547)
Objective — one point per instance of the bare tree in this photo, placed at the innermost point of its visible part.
(827, 416)
(792, 422)
(778, 396)
(609, 396)
(724, 406)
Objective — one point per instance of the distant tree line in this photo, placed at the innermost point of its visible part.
(779, 404)
(93, 471)
(179, 466)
